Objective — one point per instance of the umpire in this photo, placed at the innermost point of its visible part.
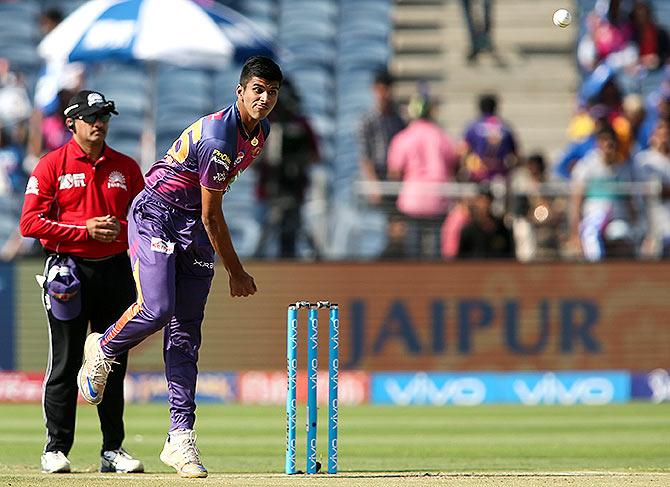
(76, 203)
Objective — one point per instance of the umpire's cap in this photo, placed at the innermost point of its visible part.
(87, 102)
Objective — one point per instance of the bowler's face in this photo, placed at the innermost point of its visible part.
(258, 97)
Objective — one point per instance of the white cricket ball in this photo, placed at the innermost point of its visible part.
(562, 18)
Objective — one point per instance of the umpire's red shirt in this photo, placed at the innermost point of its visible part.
(67, 188)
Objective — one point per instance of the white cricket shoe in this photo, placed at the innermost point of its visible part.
(120, 461)
(181, 453)
(55, 462)
(94, 370)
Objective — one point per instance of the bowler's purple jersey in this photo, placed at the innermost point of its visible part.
(212, 152)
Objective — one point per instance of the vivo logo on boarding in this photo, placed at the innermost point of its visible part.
(202, 263)
(550, 390)
(69, 181)
(659, 383)
(161, 246)
(109, 34)
(467, 391)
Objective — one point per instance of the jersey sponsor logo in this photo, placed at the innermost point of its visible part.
(205, 264)
(162, 246)
(69, 181)
(221, 158)
(33, 186)
(116, 180)
(219, 177)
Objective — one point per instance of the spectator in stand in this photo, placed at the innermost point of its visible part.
(658, 108)
(49, 19)
(12, 184)
(396, 238)
(600, 116)
(651, 39)
(377, 128)
(601, 218)
(608, 39)
(12, 176)
(54, 132)
(536, 216)
(458, 217)
(56, 84)
(47, 126)
(653, 164)
(479, 26)
(634, 113)
(490, 146)
(284, 171)
(423, 157)
(485, 236)
(15, 104)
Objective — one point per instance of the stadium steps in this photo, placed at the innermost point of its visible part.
(536, 86)
(416, 40)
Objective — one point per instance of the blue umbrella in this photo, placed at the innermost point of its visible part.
(174, 31)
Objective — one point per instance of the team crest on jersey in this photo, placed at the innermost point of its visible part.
(221, 158)
(240, 156)
(161, 246)
(69, 181)
(116, 180)
(33, 186)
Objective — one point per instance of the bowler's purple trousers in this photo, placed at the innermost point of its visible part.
(173, 266)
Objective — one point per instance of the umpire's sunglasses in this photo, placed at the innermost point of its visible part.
(103, 117)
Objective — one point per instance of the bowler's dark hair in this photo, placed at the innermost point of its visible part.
(488, 104)
(260, 67)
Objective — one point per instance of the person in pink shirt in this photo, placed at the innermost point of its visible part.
(423, 157)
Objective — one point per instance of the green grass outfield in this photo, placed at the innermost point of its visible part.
(620, 445)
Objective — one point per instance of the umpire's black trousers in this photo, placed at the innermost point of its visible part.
(107, 289)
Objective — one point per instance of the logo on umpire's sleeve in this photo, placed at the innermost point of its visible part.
(161, 246)
(33, 186)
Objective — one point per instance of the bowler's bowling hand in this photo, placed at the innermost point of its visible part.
(241, 284)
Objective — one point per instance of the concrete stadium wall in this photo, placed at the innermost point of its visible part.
(420, 316)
